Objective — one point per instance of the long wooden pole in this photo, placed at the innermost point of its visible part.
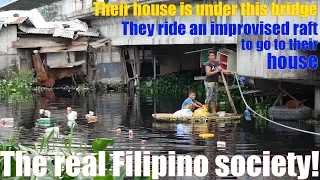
(154, 68)
(228, 93)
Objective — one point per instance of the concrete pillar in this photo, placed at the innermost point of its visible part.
(316, 111)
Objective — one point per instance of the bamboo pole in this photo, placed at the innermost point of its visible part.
(228, 93)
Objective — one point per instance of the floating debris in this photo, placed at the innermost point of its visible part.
(130, 133)
(7, 122)
(205, 136)
(118, 131)
(91, 117)
(221, 144)
(144, 142)
(55, 129)
(312, 121)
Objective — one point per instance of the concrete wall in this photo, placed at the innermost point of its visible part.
(8, 56)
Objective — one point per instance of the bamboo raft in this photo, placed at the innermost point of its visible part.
(167, 117)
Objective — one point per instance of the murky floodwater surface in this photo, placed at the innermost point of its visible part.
(133, 112)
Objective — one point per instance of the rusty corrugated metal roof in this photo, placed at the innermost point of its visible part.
(12, 20)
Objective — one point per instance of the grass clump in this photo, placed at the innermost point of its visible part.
(18, 86)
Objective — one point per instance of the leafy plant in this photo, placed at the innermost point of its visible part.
(262, 109)
(179, 83)
(99, 144)
(18, 86)
(82, 89)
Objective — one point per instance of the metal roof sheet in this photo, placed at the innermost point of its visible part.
(99, 43)
(88, 33)
(32, 22)
(63, 33)
(12, 20)
(32, 30)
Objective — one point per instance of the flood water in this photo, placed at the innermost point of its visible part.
(133, 111)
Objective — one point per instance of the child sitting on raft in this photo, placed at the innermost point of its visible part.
(191, 102)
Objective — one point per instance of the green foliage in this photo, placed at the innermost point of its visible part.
(18, 86)
(262, 109)
(172, 84)
(82, 89)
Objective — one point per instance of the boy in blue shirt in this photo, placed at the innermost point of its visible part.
(191, 102)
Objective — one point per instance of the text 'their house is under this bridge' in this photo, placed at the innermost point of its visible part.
(6, 5)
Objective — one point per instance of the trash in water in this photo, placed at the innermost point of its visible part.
(143, 142)
(7, 122)
(221, 144)
(247, 115)
(49, 130)
(118, 131)
(205, 136)
(130, 133)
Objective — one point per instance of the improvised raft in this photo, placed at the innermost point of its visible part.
(167, 117)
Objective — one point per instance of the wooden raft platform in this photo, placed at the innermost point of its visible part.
(167, 117)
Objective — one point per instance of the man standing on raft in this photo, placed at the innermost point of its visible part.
(213, 70)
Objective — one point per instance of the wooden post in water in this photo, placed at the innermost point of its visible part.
(228, 93)
(154, 67)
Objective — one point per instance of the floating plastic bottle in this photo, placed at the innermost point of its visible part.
(130, 133)
(143, 142)
(118, 131)
(247, 115)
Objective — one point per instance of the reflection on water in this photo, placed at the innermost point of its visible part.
(133, 112)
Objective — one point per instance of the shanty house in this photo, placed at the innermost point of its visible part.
(56, 50)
